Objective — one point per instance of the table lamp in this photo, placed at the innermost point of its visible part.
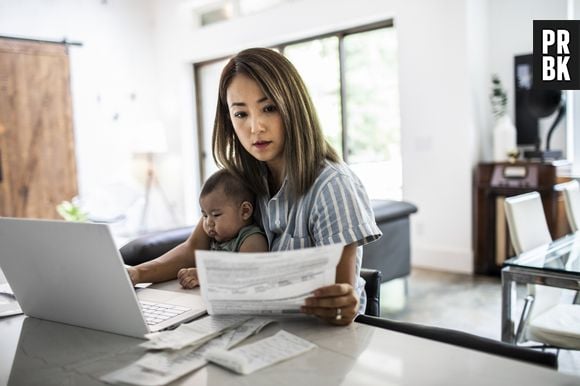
(150, 139)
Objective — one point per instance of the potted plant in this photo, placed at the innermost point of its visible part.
(504, 132)
(72, 211)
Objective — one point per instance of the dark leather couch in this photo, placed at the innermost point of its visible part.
(391, 254)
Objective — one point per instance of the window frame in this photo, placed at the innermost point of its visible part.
(340, 34)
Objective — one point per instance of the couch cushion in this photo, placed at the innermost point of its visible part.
(153, 245)
(388, 210)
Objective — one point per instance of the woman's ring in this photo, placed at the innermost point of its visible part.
(338, 314)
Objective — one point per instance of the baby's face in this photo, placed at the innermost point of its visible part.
(222, 217)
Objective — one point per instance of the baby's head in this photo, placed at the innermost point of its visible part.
(226, 204)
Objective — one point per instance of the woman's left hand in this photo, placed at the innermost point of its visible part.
(337, 304)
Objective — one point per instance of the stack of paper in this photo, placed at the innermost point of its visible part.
(8, 304)
(162, 367)
(192, 334)
(266, 352)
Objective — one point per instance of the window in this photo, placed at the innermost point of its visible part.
(357, 101)
(207, 83)
(352, 77)
(371, 117)
(322, 77)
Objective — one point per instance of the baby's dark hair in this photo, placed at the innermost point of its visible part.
(232, 186)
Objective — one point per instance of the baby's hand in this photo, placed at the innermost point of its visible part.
(188, 277)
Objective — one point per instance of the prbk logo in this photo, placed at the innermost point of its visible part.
(557, 54)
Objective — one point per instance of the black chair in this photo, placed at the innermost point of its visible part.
(464, 339)
(150, 246)
(373, 280)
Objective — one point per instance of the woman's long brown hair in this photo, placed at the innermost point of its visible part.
(305, 147)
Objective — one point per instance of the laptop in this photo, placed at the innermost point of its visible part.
(73, 273)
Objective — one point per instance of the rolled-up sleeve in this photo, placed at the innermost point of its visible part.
(342, 213)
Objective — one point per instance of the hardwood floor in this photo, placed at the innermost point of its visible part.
(459, 301)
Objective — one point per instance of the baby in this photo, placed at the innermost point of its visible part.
(227, 207)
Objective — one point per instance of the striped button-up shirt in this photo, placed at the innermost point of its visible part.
(335, 209)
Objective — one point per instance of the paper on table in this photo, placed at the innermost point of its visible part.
(193, 333)
(8, 304)
(6, 289)
(9, 309)
(134, 374)
(169, 362)
(160, 368)
(264, 283)
(266, 352)
(234, 337)
(172, 361)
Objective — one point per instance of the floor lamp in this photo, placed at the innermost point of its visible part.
(151, 141)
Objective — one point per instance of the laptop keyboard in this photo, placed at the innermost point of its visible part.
(155, 313)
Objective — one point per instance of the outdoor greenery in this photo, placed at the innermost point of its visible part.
(372, 100)
(367, 133)
(370, 85)
(322, 77)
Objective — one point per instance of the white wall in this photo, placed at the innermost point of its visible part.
(478, 54)
(448, 50)
(127, 50)
(437, 98)
(511, 33)
(438, 127)
(113, 84)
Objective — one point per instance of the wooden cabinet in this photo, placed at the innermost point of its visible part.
(37, 158)
(494, 182)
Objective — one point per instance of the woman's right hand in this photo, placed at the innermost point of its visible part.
(336, 303)
(133, 275)
(188, 277)
(166, 266)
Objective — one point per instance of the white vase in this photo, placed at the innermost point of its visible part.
(504, 138)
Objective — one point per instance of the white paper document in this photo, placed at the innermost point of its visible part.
(264, 283)
(266, 352)
(232, 338)
(8, 304)
(162, 367)
(135, 374)
(192, 334)
(172, 362)
(169, 362)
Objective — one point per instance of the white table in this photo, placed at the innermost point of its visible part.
(33, 351)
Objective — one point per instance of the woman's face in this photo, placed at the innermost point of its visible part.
(257, 121)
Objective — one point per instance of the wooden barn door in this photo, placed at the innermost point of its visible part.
(37, 157)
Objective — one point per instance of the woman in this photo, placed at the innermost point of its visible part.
(266, 131)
